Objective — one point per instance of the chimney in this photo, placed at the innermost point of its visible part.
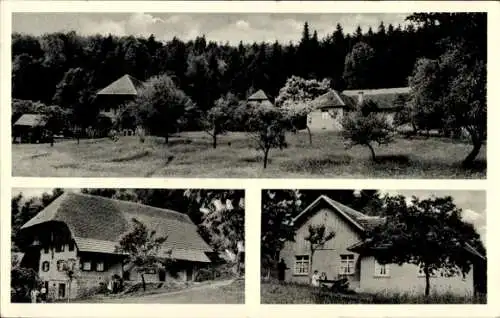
(360, 97)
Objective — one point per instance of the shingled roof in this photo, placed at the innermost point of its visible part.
(333, 99)
(30, 120)
(97, 224)
(359, 220)
(125, 85)
(258, 96)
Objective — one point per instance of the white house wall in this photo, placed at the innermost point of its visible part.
(405, 279)
(326, 259)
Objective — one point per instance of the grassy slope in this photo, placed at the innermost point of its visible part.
(191, 155)
(273, 293)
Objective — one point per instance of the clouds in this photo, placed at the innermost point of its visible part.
(232, 28)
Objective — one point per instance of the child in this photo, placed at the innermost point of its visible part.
(315, 279)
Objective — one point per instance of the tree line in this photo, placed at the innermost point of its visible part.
(67, 69)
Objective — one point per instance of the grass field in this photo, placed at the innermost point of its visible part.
(191, 155)
(274, 293)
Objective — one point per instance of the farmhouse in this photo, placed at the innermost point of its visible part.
(259, 98)
(329, 108)
(344, 257)
(115, 96)
(85, 230)
(29, 128)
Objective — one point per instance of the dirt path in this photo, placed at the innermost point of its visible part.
(209, 293)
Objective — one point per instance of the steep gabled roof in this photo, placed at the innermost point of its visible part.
(334, 99)
(125, 85)
(97, 224)
(30, 120)
(258, 96)
(357, 219)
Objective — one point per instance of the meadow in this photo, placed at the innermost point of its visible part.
(275, 293)
(190, 154)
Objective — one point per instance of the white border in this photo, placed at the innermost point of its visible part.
(252, 186)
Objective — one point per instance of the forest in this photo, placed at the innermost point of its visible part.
(67, 69)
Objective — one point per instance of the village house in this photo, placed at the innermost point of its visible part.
(29, 128)
(113, 98)
(344, 257)
(85, 230)
(330, 108)
(259, 98)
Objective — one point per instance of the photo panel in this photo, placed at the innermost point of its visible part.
(249, 95)
(352, 246)
(127, 246)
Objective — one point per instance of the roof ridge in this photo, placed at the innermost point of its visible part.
(133, 203)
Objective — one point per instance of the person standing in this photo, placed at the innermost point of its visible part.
(315, 279)
(281, 270)
(34, 295)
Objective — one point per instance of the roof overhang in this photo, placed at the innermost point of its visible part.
(322, 199)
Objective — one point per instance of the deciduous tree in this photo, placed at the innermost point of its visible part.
(429, 233)
(365, 128)
(317, 236)
(142, 249)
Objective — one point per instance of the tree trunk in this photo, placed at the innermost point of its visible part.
(52, 139)
(311, 265)
(427, 281)
(266, 154)
(69, 290)
(214, 140)
(166, 139)
(477, 144)
(372, 151)
(310, 135)
(143, 282)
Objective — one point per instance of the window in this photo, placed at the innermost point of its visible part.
(301, 265)
(59, 248)
(381, 270)
(86, 265)
(71, 246)
(45, 266)
(325, 115)
(71, 263)
(346, 264)
(62, 290)
(100, 267)
(46, 250)
(60, 265)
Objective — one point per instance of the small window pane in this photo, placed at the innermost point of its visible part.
(87, 265)
(100, 267)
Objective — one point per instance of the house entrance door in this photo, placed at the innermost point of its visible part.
(189, 273)
(162, 275)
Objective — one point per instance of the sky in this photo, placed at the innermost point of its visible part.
(232, 28)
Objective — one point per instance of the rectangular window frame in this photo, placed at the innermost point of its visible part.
(347, 261)
(301, 265)
(101, 265)
(89, 266)
(381, 270)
